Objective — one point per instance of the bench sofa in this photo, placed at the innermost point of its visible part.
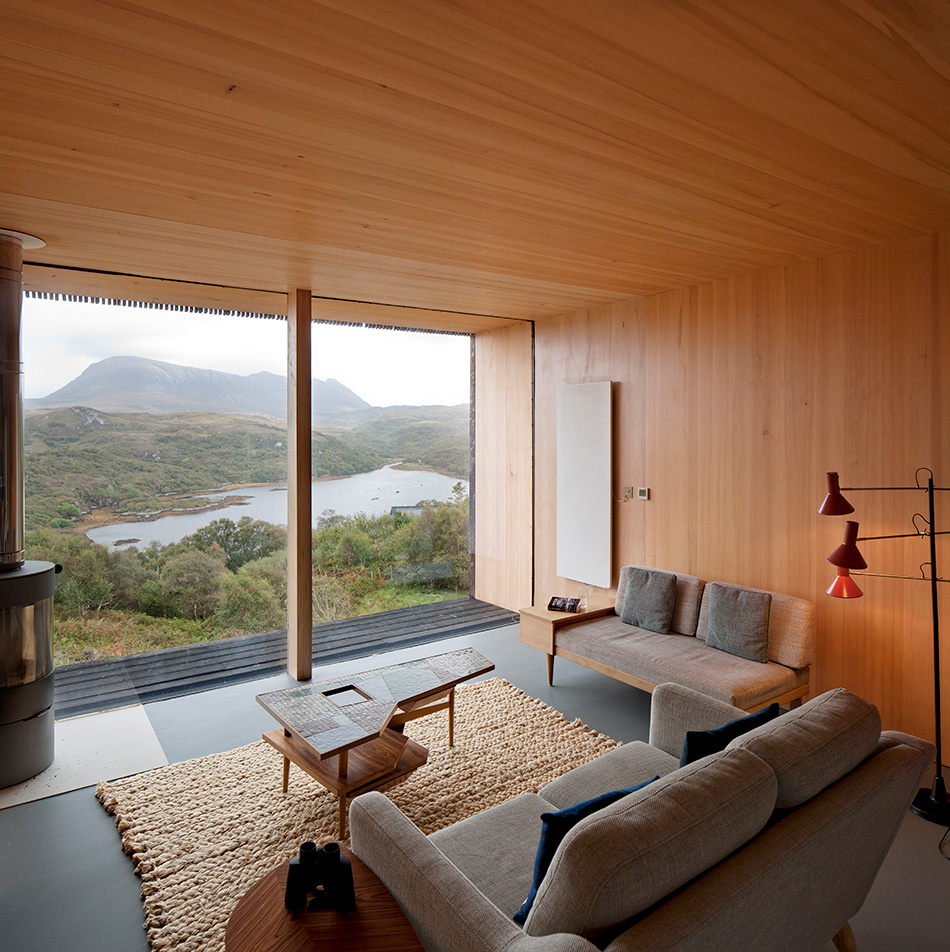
(779, 628)
(770, 845)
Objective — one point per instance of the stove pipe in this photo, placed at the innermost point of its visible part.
(26, 588)
(11, 404)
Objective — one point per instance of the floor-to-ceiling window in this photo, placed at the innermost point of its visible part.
(156, 466)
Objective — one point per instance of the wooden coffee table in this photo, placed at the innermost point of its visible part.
(347, 733)
(261, 923)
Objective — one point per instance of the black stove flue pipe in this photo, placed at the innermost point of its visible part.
(26, 588)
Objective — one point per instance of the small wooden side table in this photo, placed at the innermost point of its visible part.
(538, 626)
(261, 923)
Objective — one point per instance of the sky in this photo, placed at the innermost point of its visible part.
(386, 368)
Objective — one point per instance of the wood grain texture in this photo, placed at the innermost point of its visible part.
(260, 923)
(503, 466)
(503, 158)
(299, 477)
(736, 397)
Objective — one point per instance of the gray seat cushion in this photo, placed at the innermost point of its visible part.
(623, 859)
(815, 745)
(495, 849)
(680, 658)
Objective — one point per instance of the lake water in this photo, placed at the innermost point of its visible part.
(373, 493)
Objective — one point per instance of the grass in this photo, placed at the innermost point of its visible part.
(116, 634)
(403, 596)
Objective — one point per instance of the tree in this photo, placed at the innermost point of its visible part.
(129, 571)
(272, 570)
(249, 604)
(192, 582)
(87, 582)
(354, 548)
(330, 598)
(242, 542)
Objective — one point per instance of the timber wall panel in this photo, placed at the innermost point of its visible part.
(503, 464)
(732, 400)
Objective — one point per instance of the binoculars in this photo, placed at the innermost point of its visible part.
(320, 878)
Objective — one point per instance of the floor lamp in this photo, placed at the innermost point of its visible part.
(930, 803)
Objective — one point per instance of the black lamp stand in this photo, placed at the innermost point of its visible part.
(931, 802)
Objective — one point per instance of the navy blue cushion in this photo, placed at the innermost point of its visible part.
(555, 826)
(699, 744)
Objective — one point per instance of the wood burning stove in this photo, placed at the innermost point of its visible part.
(26, 588)
(26, 671)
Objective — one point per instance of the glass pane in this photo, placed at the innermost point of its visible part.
(156, 467)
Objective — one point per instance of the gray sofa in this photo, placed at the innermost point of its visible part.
(686, 653)
(769, 845)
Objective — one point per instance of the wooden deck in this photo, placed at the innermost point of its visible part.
(156, 675)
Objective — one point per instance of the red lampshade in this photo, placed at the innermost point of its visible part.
(835, 504)
(847, 556)
(844, 586)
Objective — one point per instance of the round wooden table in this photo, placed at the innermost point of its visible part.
(261, 923)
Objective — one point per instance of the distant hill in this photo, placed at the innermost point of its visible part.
(139, 385)
(86, 458)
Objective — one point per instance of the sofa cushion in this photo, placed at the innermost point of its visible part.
(739, 621)
(699, 744)
(685, 660)
(495, 848)
(689, 593)
(791, 628)
(815, 745)
(648, 600)
(620, 861)
(555, 826)
(623, 766)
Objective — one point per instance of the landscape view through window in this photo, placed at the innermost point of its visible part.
(155, 465)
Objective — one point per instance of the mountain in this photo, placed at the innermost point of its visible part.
(77, 458)
(136, 384)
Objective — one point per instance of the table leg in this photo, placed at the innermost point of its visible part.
(452, 718)
(286, 777)
(344, 762)
(342, 814)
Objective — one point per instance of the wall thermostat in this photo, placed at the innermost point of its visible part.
(643, 493)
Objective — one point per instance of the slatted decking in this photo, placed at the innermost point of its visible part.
(155, 675)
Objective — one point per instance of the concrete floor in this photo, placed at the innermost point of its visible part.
(66, 884)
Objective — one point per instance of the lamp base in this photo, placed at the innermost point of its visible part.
(932, 804)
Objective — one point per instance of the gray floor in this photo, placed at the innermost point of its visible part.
(65, 883)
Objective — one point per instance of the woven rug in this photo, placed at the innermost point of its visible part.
(202, 832)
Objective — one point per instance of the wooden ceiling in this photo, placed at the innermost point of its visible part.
(494, 157)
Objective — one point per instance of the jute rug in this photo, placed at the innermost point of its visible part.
(202, 832)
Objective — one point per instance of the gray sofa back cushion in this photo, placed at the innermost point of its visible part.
(623, 859)
(815, 745)
(689, 593)
(649, 599)
(738, 621)
(791, 627)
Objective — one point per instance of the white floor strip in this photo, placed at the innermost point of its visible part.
(91, 748)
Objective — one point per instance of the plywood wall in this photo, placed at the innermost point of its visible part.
(731, 401)
(503, 466)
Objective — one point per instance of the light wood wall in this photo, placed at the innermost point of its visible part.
(503, 466)
(731, 401)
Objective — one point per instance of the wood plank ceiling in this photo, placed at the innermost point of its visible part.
(496, 157)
